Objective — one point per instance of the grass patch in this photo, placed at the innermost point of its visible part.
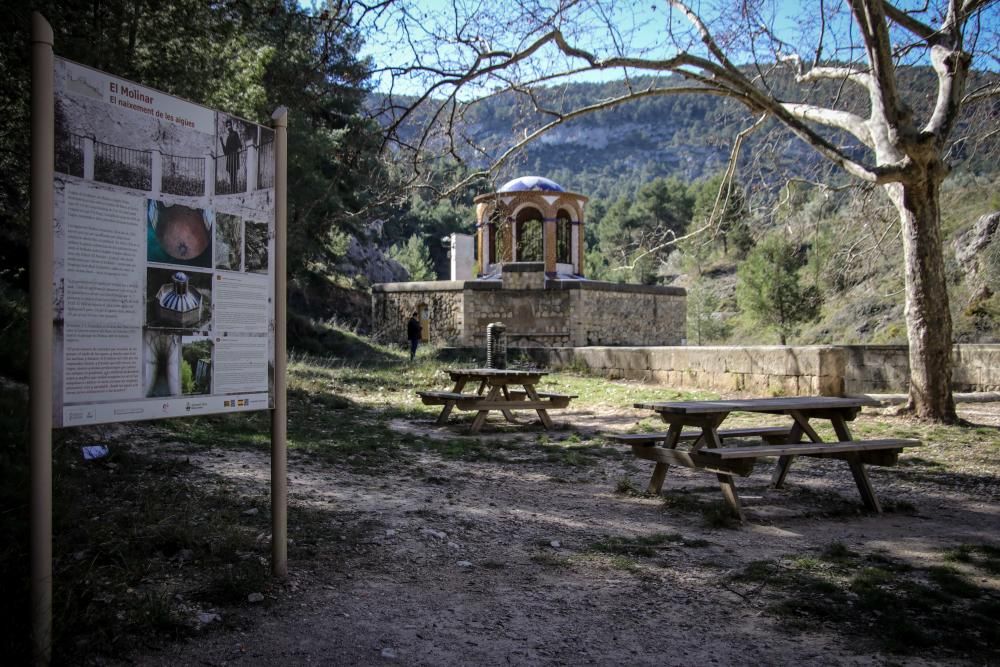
(142, 544)
(625, 487)
(982, 556)
(546, 559)
(644, 546)
(936, 610)
(714, 514)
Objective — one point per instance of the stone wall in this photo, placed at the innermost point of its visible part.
(631, 315)
(534, 318)
(391, 308)
(829, 370)
(762, 370)
(538, 311)
(886, 368)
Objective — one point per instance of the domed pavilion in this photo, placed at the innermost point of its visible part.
(531, 219)
(524, 267)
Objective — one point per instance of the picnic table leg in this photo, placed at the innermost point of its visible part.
(785, 462)
(865, 488)
(709, 433)
(780, 472)
(480, 418)
(508, 415)
(840, 428)
(729, 492)
(799, 427)
(660, 469)
(449, 405)
(656, 481)
(542, 414)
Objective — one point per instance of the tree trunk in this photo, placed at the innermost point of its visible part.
(928, 317)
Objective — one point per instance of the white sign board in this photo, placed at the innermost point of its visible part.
(164, 255)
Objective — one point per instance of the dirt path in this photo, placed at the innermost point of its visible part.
(443, 562)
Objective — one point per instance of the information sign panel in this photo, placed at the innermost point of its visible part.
(164, 255)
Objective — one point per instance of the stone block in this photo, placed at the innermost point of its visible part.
(964, 374)
(726, 382)
(621, 357)
(712, 363)
(662, 358)
(660, 377)
(738, 359)
(756, 383)
(803, 360)
(783, 385)
(768, 360)
(832, 361)
(831, 385)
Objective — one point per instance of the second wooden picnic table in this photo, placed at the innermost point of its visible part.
(496, 390)
(707, 451)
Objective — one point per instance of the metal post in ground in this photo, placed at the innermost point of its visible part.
(40, 393)
(279, 416)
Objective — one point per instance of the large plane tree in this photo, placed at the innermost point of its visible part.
(867, 122)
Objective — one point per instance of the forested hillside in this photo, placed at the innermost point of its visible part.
(651, 167)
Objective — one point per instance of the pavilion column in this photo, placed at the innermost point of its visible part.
(549, 244)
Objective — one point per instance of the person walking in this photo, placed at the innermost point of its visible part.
(413, 334)
(232, 146)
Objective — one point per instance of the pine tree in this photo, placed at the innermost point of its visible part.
(768, 288)
(415, 258)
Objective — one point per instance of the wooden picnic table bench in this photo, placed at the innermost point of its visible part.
(494, 393)
(767, 433)
(707, 451)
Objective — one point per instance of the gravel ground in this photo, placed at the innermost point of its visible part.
(450, 562)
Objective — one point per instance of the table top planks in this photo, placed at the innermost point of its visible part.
(806, 403)
(493, 374)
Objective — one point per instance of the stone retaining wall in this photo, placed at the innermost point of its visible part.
(829, 370)
(538, 310)
(879, 369)
(764, 370)
(444, 302)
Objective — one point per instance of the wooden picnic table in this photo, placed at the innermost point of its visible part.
(496, 391)
(708, 452)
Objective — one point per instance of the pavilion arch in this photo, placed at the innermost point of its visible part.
(529, 233)
(500, 229)
(565, 222)
(531, 219)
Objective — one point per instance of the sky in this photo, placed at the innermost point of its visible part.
(644, 19)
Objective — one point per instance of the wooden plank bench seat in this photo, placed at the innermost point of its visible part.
(440, 397)
(479, 402)
(557, 400)
(770, 434)
(874, 452)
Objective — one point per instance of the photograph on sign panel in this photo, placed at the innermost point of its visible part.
(177, 299)
(196, 364)
(182, 175)
(178, 234)
(161, 364)
(265, 159)
(69, 146)
(153, 251)
(236, 139)
(256, 239)
(111, 131)
(114, 164)
(228, 242)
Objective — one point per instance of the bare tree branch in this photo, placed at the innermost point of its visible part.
(842, 120)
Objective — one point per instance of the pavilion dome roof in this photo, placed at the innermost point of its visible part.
(527, 183)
